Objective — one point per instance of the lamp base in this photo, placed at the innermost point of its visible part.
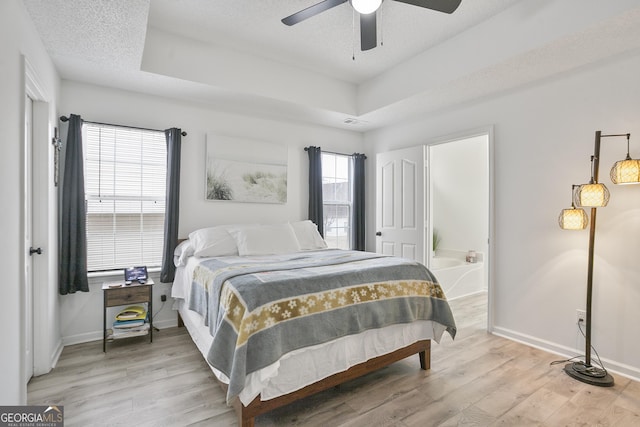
(589, 374)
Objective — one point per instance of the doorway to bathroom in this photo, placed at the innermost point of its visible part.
(433, 205)
(458, 201)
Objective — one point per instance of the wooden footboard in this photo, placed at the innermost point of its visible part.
(246, 414)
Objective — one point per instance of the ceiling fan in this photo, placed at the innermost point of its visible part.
(367, 10)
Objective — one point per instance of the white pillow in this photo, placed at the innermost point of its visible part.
(265, 240)
(308, 236)
(213, 241)
(183, 251)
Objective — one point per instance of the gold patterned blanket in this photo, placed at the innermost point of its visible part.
(260, 308)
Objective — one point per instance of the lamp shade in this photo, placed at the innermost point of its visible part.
(591, 195)
(366, 6)
(626, 171)
(573, 219)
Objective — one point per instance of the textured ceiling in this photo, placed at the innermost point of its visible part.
(110, 33)
(236, 55)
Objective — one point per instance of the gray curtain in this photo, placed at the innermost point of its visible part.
(357, 236)
(172, 204)
(73, 229)
(315, 187)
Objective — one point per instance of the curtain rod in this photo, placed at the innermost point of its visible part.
(66, 119)
(333, 152)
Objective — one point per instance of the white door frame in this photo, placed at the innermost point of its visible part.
(489, 131)
(40, 155)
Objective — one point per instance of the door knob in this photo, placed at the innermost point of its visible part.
(379, 233)
(35, 251)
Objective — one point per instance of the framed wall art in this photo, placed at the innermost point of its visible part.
(243, 170)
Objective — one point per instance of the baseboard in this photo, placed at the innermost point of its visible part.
(56, 354)
(82, 338)
(612, 366)
(97, 335)
(169, 323)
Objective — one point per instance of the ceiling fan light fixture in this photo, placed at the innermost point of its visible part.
(365, 7)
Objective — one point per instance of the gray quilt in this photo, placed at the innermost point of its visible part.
(260, 308)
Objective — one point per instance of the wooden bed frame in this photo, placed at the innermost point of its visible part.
(246, 414)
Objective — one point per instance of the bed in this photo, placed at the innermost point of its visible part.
(278, 316)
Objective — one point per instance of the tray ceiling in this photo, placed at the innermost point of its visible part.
(251, 63)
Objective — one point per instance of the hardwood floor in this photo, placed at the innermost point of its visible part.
(477, 380)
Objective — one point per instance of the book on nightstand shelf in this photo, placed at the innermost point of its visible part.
(129, 322)
(133, 312)
(116, 333)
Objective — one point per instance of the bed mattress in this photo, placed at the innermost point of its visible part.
(301, 367)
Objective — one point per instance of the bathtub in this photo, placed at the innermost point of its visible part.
(439, 263)
(457, 277)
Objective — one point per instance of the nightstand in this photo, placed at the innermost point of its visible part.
(117, 293)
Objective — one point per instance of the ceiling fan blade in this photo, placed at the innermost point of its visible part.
(446, 6)
(368, 31)
(311, 11)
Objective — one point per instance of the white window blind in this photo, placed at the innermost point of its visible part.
(125, 180)
(337, 198)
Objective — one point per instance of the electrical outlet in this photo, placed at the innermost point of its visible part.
(163, 298)
(581, 316)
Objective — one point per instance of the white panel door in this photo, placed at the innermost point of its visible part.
(400, 203)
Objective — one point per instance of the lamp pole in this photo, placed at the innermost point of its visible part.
(592, 241)
(585, 372)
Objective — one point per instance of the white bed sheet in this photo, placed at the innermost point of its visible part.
(306, 366)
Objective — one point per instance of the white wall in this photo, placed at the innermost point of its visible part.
(81, 314)
(20, 38)
(460, 199)
(543, 140)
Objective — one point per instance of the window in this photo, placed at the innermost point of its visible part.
(125, 179)
(337, 199)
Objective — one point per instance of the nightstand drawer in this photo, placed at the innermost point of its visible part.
(123, 296)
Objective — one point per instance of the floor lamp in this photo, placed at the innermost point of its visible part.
(594, 195)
